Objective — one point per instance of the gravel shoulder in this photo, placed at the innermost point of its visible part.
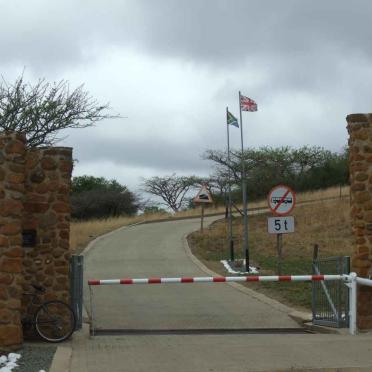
(36, 357)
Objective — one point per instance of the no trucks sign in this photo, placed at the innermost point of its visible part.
(281, 200)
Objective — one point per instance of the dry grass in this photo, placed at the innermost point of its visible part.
(82, 232)
(326, 223)
(332, 192)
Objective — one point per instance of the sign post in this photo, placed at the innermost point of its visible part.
(279, 247)
(203, 197)
(202, 218)
(281, 201)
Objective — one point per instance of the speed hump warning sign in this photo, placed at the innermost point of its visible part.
(281, 200)
(203, 196)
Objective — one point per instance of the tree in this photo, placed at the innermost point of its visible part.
(304, 168)
(97, 197)
(88, 183)
(43, 109)
(171, 189)
(103, 204)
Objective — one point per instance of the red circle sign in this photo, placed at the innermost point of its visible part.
(281, 200)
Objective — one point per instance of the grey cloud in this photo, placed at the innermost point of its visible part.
(266, 48)
(164, 156)
(221, 33)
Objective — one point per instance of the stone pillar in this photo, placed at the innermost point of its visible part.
(360, 145)
(47, 211)
(12, 162)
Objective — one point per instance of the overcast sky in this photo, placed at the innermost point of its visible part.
(171, 67)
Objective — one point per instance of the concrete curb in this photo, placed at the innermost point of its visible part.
(258, 296)
(302, 318)
(325, 330)
(62, 358)
(98, 238)
(322, 369)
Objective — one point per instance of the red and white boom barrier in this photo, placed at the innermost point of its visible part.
(350, 280)
(219, 279)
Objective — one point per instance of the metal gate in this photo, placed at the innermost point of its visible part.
(330, 300)
(76, 287)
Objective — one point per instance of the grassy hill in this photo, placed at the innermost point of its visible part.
(325, 223)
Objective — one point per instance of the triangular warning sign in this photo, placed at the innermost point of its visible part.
(203, 196)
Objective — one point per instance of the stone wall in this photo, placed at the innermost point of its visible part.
(34, 198)
(47, 211)
(12, 163)
(360, 145)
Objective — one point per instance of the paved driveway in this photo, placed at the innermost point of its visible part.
(157, 250)
(154, 250)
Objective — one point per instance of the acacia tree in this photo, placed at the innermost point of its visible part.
(43, 109)
(171, 189)
(304, 168)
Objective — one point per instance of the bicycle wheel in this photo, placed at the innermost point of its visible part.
(55, 321)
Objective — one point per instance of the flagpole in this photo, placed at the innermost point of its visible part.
(231, 242)
(244, 190)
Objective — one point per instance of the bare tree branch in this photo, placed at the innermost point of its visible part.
(43, 109)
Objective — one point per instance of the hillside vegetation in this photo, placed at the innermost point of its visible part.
(84, 231)
(326, 223)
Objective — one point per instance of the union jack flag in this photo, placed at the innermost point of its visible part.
(247, 104)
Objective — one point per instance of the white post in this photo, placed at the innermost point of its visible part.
(352, 284)
(91, 310)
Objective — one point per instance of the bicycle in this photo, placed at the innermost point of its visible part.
(53, 321)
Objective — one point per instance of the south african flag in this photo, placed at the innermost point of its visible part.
(232, 120)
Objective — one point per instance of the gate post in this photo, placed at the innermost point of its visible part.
(353, 290)
(360, 148)
(91, 311)
(76, 287)
(12, 164)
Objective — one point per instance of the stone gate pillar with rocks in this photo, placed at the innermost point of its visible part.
(12, 167)
(34, 228)
(47, 215)
(360, 146)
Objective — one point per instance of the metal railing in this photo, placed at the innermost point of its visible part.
(330, 301)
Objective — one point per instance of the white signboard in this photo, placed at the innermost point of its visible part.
(280, 225)
(281, 200)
